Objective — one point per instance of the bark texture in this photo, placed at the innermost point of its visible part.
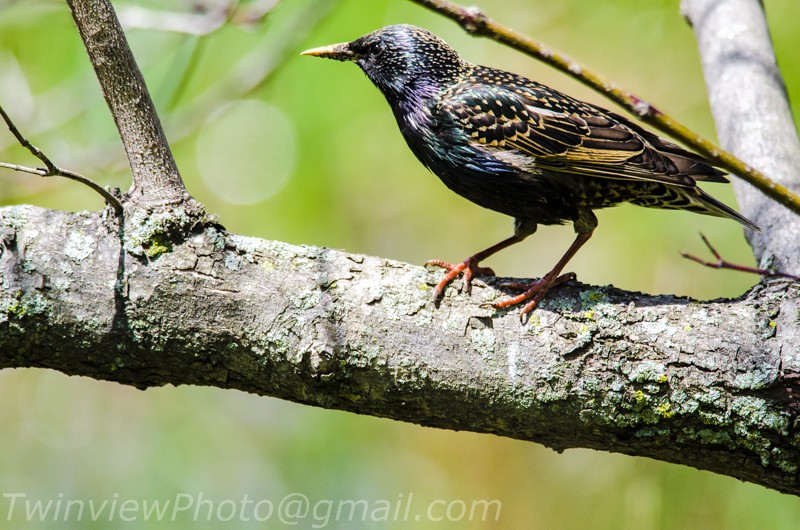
(708, 385)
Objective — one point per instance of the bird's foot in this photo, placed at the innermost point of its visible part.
(469, 267)
(534, 292)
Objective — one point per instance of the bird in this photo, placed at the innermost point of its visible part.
(523, 149)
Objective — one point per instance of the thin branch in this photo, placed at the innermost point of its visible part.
(196, 23)
(50, 169)
(722, 263)
(252, 71)
(474, 21)
(235, 14)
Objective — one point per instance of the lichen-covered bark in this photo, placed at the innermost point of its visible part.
(703, 384)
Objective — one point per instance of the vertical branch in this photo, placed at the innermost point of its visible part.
(156, 180)
(752, 114)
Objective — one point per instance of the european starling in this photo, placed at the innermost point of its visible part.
(518, 147)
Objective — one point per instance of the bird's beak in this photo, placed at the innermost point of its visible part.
(338, 52)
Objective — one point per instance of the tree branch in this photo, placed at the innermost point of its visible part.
(52, 170)
(156, 180)
(708, 385)
(753, 118)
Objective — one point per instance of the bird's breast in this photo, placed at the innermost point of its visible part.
(481, 177)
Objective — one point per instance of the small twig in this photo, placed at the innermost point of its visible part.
(50, 169)
(474, 21)
(721, 263)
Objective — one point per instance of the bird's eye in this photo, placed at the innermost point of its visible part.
(377, 49)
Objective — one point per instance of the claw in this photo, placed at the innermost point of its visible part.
(534, 291)
(469, 267)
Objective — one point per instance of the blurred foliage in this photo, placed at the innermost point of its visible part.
(306, 151)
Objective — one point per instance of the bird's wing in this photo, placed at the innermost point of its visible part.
(557, 133)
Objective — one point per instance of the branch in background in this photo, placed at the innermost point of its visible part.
(253, 70)
(474, 21)
(752, 113)
(200, 23)
(722, 263)
(50, 169)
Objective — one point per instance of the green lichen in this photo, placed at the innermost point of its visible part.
(785, 461)
(652, 432)
(12, 308)
(648, 371)
(148, 233)
(17, 218)
(232, 261)
(712, 418)
(710, 396)
(590, 298)
(79, 246)
(157, 245)
(711, 437)
(19, 306)
(216, 238)
(483, 340)
(756, 412)
(665, 410)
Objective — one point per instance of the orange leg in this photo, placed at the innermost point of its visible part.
(469, 266)
(535, 291)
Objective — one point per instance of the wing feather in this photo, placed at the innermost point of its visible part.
(560, 134)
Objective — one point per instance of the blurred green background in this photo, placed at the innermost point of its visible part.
(306, 151)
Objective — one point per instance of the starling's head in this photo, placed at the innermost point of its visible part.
(399, 59)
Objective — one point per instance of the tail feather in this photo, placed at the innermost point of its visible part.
(702, 202)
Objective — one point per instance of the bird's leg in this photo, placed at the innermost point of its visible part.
(537, 290)
(470, 266)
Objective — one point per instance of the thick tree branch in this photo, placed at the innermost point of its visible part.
(752, 114)
(708, 385)
(156, 180)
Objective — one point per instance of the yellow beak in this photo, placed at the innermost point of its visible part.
(338, 52)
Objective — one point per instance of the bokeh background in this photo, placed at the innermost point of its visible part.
(306, 151)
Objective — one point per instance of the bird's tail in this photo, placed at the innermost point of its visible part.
(693, 199)
(701, 202)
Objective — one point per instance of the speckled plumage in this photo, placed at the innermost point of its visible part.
(515, 146)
